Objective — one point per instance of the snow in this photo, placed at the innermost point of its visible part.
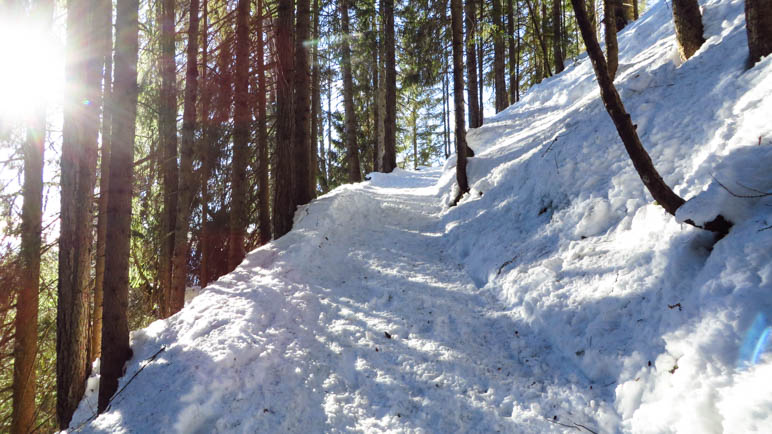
(557, 295)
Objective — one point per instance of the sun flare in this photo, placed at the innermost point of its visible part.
(31, 68)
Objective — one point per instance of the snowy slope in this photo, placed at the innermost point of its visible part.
(556, 296)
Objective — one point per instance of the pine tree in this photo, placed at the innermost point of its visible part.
(303, 172)
(354, 170)
(475, 113)
(499, 82)
(263, 212)
(612, 49)
(389, 161)
(758, 24)
(458, 96)
(688, 27)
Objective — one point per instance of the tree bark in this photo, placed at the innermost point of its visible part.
(513, 31)
(758, 24)
(115, 325)
(26, 322)
(654, 183)
(389, 161)
(283, 204)
(499, 81)
(203, 149)
(317, 165)
(238, 215)
(539, 37)
(184, 202)
(688, 27)
(612, 49)
(106, 31)
(475, 118)
(79, 156)
(167, 131)
(304, 172)
(557, 31)
(458, 96)
(354, 171)
(263, 192)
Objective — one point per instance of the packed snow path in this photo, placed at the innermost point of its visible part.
(366, 326)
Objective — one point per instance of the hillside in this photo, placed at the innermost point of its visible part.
(556, 296)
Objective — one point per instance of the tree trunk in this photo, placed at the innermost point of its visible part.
(612, 49)
(654, 183)
(283, 204)
(115, 326)
(180, 257)
(26, 336)
(79, 156)
(540, 38)
(480, 65)
(499, 82)
(688, 27)
(167, 131)
(758, 24)
(263, 212)
(203, 150)
(475, 118)
(302, 129)
(376, 91)
(354, 171)
(458, 96)
(238, 216)
(389, 161)
(513, 32)
(557, 31)
(317, 165)
(635, 9)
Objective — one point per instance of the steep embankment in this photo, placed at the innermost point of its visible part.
(556, 294)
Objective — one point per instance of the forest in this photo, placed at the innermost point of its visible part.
(147, 146)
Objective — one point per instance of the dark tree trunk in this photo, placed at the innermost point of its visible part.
(480, 65)
(457, 29)
(635, 9)
(475, 118)
(389, 161)
(105, 11)
(354, 171)
(758, 24)
(26, 336)
(263, 212)
(167, 130)
(612, 49)
(317, 165)
(184, 202)
(283, 203)
(557, 33)
(376, 91)
(654, 183)
(688, 27)
(513, 32)
(238, 216)
(79, 156)
(499, 80)
(203, 150)
(115, 326)
(302, 130)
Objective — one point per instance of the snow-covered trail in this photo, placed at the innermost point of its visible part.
(353, 321)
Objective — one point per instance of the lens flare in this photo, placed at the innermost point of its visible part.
(756, 342)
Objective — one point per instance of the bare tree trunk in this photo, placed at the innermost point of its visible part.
(167, 130)
(688, 27)
(389, 161)
(540, 38)
(654, 183)
(475, 120)
(263, 213)
(26, 322)
(106, 29)
(635, 9)
(480, 65)
(115, 326)
(557, 31)
(513, 32)
(612, 49)
(302, 129)
(316, 106)
(499, 82)
(458, 96)
(354, 171)
(79, 156)
(283, 204)
(758, 24)
(184, 202)
(203, 150)
(238, 216)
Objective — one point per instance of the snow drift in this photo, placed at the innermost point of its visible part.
(555, 296)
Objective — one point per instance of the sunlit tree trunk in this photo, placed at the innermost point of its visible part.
(78, 167)
(458, 96)
(184, 202)
(612, 49)
(115, 325)
(167, 131)
(304, 172)
(688, 27)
